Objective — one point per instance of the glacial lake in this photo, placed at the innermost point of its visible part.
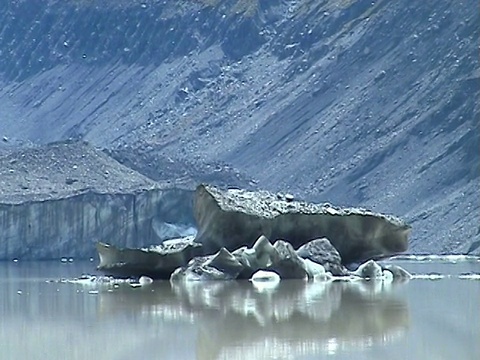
(47, 311)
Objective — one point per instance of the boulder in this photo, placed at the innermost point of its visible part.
(157, 262)
(321, 251)
(234, 218)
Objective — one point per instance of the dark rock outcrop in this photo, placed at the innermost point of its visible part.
(322, 252)
(157, 262)
(233, 218)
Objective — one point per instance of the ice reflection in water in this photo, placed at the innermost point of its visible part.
(232, 320)
(297, 318)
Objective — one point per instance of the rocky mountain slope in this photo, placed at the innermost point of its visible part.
(370, 103)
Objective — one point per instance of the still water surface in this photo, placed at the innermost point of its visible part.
(45, 315)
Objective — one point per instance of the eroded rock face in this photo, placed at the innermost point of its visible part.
(157, 262)
(233, 218)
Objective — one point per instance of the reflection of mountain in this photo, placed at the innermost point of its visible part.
(237, 321)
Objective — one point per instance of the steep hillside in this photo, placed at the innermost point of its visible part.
(371, 103)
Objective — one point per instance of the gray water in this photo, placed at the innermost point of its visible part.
(46, 314)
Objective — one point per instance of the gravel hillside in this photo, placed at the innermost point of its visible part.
(359, 103)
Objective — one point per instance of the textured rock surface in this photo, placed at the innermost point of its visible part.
(359, 103)
(59, 200)
(157, 262)
(233, 218)
(65, 169)
(321, 251)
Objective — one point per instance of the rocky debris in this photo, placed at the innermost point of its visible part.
(321, 251)
(182, 173)
(157, 262)
(64, 169)
(475, 245)
(233, 218)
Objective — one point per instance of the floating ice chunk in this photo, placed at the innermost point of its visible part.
(398, 272)
(472, 276)
(387, 276)
(369, 270)
(454, 258)
(428, 276)
(265, 276)
(316, 271)
(265, 280)
(145, 280)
